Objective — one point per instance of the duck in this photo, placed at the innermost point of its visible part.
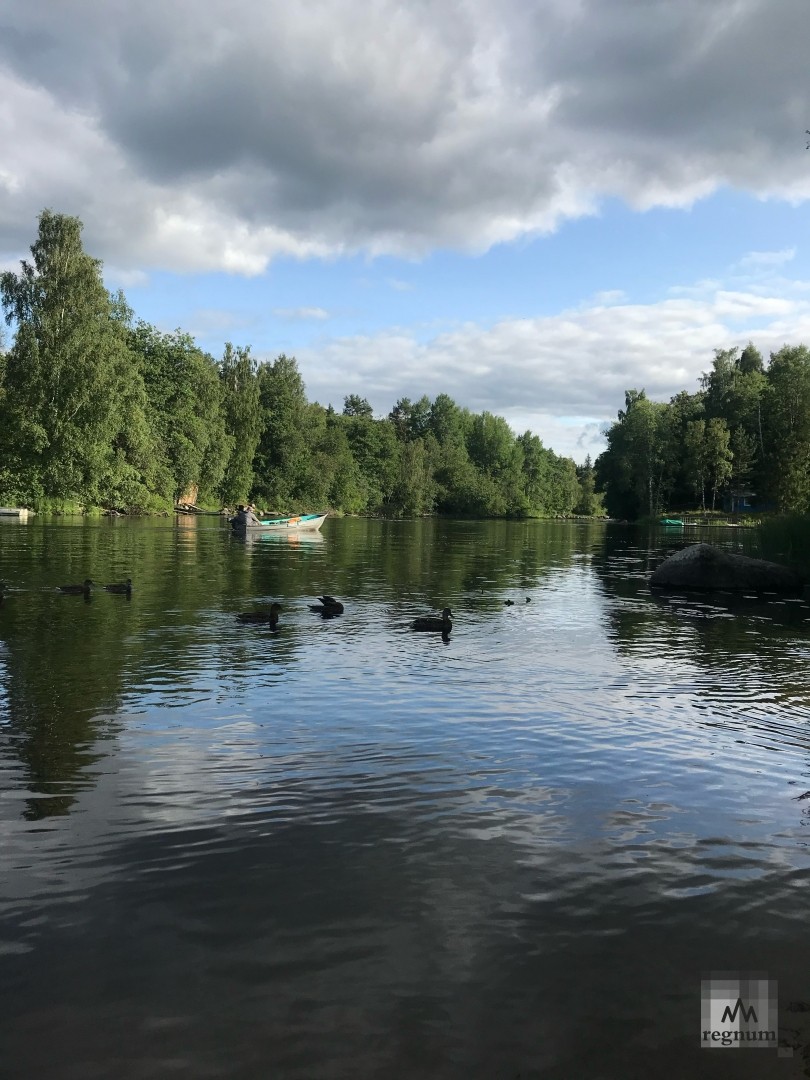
(78, 590)
(270, 617)
(509, 603)
(328, 606)
(120, 587)
(430, 622)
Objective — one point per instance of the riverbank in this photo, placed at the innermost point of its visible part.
(63, 508)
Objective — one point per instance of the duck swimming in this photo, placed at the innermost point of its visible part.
(270, 617)
(120, 587)
(328, 606)
(430, 622)
(78, 590)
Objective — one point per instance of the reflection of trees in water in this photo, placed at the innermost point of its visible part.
(57, 684)
(628, 554)
(70, 664)
(749, 645)
(501, 949)
(437, 558)
(746, 641)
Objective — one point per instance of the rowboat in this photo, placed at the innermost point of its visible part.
(244, 522)
(15, 511)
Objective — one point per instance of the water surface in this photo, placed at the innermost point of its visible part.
(347, 850)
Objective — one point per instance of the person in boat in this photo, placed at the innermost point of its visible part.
(245, 516)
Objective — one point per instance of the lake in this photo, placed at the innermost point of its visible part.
(345, 849)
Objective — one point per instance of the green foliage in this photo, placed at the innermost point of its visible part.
(414, 490)
(634, 470)
(589, 501)
(718, 454)
(748, 425)
(354, 405)
(786, 424)
(186, 414)
(243, 419)
(375, 449)
(96, 411)
(99, 411)
(334, 478)
(73, 403)
(281, 462)
(750, 360)
(694, 444)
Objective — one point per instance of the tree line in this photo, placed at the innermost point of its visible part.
(747, 429)
(98, 408)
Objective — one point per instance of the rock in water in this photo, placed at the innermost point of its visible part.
(702, 566)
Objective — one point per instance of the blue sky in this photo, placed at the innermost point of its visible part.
(531, 205)
(296, 303)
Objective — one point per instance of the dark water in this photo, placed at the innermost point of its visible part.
(348, 850)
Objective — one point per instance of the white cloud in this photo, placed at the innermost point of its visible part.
(565, 375)
(609, 296)
(757, 259)
(66, 162)
(317, 314)
(198, 135)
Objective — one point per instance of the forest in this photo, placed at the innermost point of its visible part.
(745, 431)
(99, 409)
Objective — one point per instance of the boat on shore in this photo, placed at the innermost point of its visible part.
(15, 512)
(246, 522)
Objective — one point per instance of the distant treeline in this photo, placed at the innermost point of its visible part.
(747, 430)
(97, 409)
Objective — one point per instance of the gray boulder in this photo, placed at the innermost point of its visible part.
(702, 566)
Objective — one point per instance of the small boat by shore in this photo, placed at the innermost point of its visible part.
(15, 511)
(244, 522)
(671, 521)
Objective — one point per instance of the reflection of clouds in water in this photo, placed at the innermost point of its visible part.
(321, 898)
(4, 700)
(395, 848)
(730, 654)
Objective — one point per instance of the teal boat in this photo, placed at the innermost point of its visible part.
(671, 521)
(244, 521)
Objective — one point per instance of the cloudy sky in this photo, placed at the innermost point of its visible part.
(531, 205)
